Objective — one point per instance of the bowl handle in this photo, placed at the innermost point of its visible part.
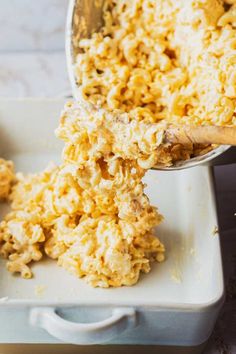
(83, 333)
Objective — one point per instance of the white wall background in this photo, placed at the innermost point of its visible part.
(32, 59)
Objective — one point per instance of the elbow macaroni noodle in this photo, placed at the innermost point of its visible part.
(155, 62)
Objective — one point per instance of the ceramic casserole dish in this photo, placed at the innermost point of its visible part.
(177, 303)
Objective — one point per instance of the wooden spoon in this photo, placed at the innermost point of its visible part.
(186, 135)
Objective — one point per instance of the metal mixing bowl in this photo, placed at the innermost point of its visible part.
(85, 17)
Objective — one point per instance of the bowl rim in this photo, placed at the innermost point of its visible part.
(179, 165)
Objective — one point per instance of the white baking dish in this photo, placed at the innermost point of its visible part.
(175, 304)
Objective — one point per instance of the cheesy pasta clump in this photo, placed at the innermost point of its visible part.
(6, 178)
(90, 213)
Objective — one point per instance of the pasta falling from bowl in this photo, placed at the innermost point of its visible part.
(156, 62)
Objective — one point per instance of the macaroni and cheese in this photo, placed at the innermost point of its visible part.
(174, 60)
(90, 213)
(153, 63)
(6, 178)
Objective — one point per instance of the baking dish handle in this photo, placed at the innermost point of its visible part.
(83, 333)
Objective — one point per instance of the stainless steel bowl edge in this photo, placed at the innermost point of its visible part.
(92, 17)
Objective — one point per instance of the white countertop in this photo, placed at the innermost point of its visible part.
(32, 58)
(32, 63)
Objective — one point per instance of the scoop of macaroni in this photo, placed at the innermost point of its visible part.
(6, 178)
(175, 60)
(90, 213)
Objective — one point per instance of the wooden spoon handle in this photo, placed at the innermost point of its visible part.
(201, 135)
